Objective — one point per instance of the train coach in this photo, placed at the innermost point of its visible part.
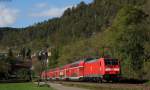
(89, 69)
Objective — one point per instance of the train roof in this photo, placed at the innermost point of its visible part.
(77, 62)
(90, 59)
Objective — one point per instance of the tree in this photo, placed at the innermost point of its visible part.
(4, 69)
(10, 53)
(53, 59)
(128, 36)
(25, 53)
(23, 74)
(38, 68)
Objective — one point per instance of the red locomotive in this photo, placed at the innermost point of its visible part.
(89, 69)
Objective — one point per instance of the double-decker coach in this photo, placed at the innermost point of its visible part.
(64, 73)
(50, 74)
(56, 73)
(75, 70)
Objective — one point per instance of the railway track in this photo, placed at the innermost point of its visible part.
(107, 85)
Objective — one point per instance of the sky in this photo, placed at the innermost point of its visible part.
(23, 13)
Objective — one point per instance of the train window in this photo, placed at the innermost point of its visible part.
(90, 59)
(111, 61)
(114, 62)
(74, 65)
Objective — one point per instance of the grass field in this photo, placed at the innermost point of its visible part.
(22, 86)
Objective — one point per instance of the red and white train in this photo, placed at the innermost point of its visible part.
(89, 69)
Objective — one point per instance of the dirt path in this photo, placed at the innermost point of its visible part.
(61, 87)
(58, 86)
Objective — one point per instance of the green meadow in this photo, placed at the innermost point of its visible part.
(22, 86)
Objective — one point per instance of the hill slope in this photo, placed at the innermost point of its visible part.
(78, 22)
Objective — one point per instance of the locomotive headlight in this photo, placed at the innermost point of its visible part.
(112, 69)
(108, 69)
(116, 69)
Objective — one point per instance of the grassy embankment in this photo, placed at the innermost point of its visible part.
(22, 86)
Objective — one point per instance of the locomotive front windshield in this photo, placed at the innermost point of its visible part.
(111, 62)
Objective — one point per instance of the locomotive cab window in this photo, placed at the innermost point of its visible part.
(111, 61)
